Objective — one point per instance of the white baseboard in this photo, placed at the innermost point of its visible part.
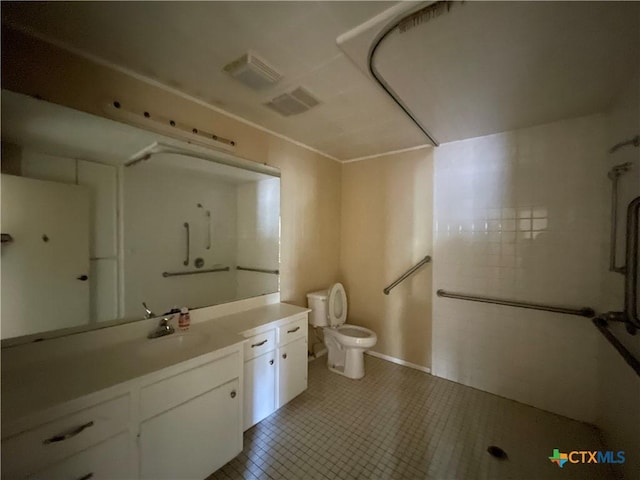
(398, 361)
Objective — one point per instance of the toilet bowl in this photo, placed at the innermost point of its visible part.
(345, 343)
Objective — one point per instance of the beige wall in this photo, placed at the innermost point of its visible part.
(310, 190)
(387, 206)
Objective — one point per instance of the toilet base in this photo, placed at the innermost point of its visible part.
(353, 365)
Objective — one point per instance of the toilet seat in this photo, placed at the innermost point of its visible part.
(336, 305)
(354, 336)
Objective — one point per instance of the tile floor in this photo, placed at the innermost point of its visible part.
(399, 423)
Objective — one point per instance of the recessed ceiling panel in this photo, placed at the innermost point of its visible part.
(476, 68)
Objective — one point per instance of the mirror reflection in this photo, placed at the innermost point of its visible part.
(99, 217)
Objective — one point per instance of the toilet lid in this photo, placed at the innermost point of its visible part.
(337, 305)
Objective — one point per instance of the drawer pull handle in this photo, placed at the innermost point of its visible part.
(284, 355)
(233, 394)
(87, 476)
(294, 330)
(65, 436)
(259, 344)
(271, 362)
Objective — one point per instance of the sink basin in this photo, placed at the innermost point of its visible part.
(171, 344)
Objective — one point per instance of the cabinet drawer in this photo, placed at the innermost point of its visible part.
(109, 460)
(44, 445)
(179, 388)
(259, 344)
(292, 331)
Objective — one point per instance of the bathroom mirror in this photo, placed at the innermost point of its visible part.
(99, 217)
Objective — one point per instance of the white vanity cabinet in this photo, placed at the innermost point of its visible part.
(184, 421)
(153, 409)
(275, 368)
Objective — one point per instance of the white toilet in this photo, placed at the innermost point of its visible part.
(345, 343)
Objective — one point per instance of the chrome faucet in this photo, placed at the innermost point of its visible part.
(147, 313)
(163, 328)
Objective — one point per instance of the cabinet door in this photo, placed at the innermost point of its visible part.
(108, 460)
(259, 388)
(193, 439)
(292, 370)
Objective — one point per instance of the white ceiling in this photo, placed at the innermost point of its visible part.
(488, 67)
(185, 45)
(481, 68)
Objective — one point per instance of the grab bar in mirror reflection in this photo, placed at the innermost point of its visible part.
(194, 272)
(260, 270)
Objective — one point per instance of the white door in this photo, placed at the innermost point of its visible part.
(259, 388)
(45, 269)
(292, 370)
(194, 439)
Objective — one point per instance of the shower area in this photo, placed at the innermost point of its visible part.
(533, 110)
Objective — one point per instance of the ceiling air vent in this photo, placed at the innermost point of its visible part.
(252, 71)
(293, 103)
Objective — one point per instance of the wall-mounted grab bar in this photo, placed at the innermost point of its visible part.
(208, 214)
(635, 141)
(630, 313)
(260, 270)
(194, 272)
(603, 327)
(408, 273)
(186, 226)
(631, 264)
(581, 312)
(614, 174)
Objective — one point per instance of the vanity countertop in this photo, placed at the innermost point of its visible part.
(41, 385)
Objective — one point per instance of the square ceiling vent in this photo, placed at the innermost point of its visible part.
(252, 71)
(293, 103)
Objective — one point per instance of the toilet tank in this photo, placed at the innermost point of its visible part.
(317, 302)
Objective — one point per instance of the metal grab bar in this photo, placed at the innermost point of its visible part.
(614, 174)
(408, 273)
(581, 312)
(631, 264)
(186, 226)
(194, 272)
(635, 141)
(630, 313)
(261, 270)
(603, 327)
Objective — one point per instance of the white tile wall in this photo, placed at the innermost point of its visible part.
(522, 215)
